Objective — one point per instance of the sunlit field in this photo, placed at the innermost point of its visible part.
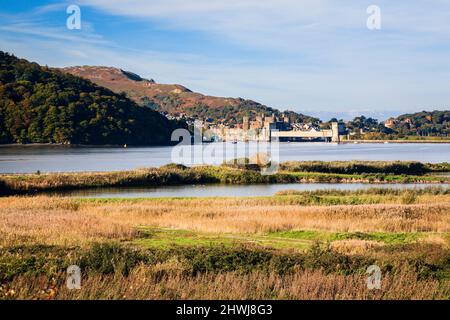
(296, 245)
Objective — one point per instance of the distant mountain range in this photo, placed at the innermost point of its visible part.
(176, 99)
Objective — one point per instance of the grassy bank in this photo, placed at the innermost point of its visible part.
(297, 246)
(292, 172)
(366, 167)
(118, 272)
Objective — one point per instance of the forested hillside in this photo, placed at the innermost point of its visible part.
(44, 105)
(425, 123)
(177, 100)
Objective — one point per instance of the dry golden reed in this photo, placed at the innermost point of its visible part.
(149, 283)
(54, 220)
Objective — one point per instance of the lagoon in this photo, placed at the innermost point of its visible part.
(221, 190)
(29, 159)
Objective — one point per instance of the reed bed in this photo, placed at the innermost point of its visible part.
(54, 220)
(359, 167)
(158, 283)
(40, 236)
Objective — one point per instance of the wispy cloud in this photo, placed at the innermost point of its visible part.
(60, 33)
(285, 23)
(52, 7)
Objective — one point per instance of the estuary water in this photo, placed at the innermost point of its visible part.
(218, 190)
(28, 159)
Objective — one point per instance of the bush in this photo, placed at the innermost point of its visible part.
(4, 189)
(222, 259)
(174, 166)
(331, 261)
(359, 167)
(107, 258)
(33, 260)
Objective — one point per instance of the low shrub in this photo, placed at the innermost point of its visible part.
(359, 167)
(107, 258)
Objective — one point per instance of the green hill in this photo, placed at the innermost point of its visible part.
(175, 99)
(432, 125)
(44, 105)
(425, 123)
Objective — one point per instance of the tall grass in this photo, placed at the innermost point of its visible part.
(111, 271)
(435, 190)
(149, 283)
(53, 220)
(360, 167)
(41, 236)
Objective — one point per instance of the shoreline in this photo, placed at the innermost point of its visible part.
(393, 141)
(60, 145)
(297, 172)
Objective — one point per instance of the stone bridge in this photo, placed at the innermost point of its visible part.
(334, 134)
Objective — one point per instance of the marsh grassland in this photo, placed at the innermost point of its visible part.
(295, 245)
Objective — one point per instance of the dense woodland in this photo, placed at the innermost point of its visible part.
(425, 124)
(436, 123)
(43, 105)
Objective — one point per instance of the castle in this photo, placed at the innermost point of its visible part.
(268, 128)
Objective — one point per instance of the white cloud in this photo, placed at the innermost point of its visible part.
(284, 23)
(324, 58)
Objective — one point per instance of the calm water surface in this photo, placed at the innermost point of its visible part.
(224, 190)
(60, 159)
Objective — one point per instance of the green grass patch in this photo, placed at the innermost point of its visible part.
(167, 238)
(299, 240)
(384, 237)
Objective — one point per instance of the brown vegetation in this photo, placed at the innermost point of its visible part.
(159, 283)
(59, 220)
(122, 256)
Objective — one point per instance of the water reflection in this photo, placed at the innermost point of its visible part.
(225, 190)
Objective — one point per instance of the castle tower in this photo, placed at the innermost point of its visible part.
(245, 123)
(335, 132)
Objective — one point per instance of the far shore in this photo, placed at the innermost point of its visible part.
(61, 145)
(395, 141)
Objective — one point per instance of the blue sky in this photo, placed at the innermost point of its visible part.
(311, 56)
